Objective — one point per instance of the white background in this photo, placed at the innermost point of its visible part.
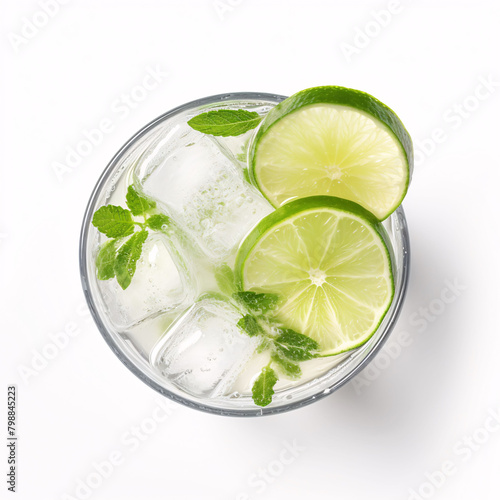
(434, 386)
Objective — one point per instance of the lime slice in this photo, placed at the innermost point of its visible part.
(333, 141)
(327, 260)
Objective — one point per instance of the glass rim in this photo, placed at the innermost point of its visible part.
(396, 305)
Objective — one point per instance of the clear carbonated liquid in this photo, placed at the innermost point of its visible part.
(173, 314)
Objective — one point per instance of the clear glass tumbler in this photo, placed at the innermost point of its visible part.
(136, 356)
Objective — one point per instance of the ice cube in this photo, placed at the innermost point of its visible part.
(144, 336)
(163, 282)
(236, 147)
(204, 351)
(202, 189)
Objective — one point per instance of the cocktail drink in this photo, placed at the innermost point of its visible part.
(245, 254)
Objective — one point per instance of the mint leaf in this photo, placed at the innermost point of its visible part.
(246, 175)
(289, 368)
(259, 303)
(138, 204)
(250, 325)
(264, 345)
(225, 122)
(225, 279)
(263, 387)
(296, 346)
(106, 260)
(113, 221)
(126, 259)
(157, 221)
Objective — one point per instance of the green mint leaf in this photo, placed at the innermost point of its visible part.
(225, 279)
(241, 157)
(296, 346)
(250, 325)
(265, 344)
(263, 387)
(246, 176)
(138, 204)
(225, 122)
(287, 367)
(259, 303)
(113, 221)
(157, 221)
(127, 257)
(106, 260)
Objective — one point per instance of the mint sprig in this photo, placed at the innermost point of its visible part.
(263, 387)
(105, 261)
(114, 221)
(296, 346)
(118, 256)
(158, 221)
(287, 347)
(225, 122)
(138, 204)
(225, 279)
(250, 325)
(287, 367)
(259, 303)
(127, 257)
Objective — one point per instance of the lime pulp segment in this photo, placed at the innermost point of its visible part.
(333, 141)
(327, 260)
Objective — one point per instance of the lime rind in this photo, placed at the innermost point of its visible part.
(318, 204)
(360, 102)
